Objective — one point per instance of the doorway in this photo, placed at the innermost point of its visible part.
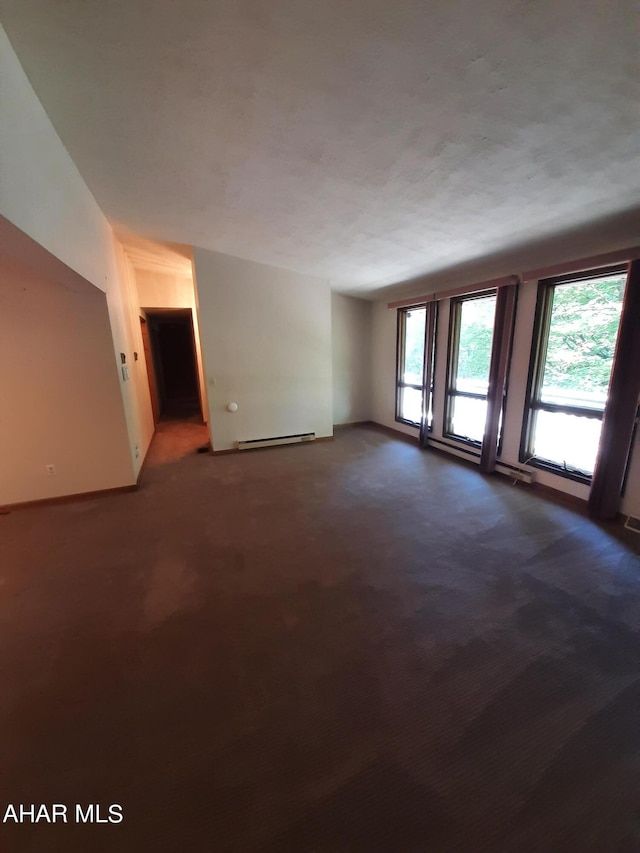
(170, 353)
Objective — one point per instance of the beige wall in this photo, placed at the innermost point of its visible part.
(173, 290)
(44, 196)
(351, 350)
(266, 343)
(59, 388)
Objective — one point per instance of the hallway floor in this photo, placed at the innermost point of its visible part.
(176, 438)
(343, 646)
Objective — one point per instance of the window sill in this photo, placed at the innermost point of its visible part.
(455, 444)
(558, 470)
(407, 423)
(466, 442)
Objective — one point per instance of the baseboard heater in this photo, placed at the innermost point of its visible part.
(275, 441)
(520, 475)
(632, 524)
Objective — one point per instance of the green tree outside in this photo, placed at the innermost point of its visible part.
(582, 335)
(476, 335)
(414, 345)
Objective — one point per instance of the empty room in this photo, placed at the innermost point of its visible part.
(319, 426)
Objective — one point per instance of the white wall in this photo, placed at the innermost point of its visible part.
(44, 196)
(61, 402)
(172, 290)
(42, 191)
(266, 344)
(351, 349)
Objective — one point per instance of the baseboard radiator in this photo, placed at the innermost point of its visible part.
(632, 524)
(254, 443)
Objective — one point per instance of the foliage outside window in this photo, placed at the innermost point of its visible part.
(471, 336)
(573, 354)
(409, 384)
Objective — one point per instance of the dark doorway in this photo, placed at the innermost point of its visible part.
(174, 383)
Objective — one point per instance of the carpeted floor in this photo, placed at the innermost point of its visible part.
(347, 646)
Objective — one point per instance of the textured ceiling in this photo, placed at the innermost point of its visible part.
(366, 141)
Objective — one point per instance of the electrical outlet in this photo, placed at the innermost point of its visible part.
(51, 470)
(137, 451)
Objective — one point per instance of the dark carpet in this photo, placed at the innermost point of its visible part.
(346, 646)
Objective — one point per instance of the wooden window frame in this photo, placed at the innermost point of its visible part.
(453, 348)
(428, 361)
(429, 372)
(537, 362)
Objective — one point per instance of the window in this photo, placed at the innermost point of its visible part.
(410, 378)
(574, 342)
(470, 339)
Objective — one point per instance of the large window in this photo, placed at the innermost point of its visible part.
(410, 379)
(574, 342)
(471, 335)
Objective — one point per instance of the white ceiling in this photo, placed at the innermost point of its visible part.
(367, 141)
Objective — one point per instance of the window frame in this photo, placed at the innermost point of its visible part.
(429, 372)
(535, 377)
(453, 349)
(426, 367)
(401, 341)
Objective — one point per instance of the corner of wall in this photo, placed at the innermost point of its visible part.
(127, 340)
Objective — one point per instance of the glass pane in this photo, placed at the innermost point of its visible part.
(413, 346)
(474, 344)
(567, 440)
(411, 405)
(468, 417)
(582, 337)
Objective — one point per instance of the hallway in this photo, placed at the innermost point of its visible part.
(174, 439)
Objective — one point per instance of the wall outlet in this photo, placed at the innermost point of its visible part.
(51, 470)
(137, 451)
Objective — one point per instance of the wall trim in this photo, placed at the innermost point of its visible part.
(65, 499)
(395, 433)
(577, 265)
(464, 290)
(352, 424)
